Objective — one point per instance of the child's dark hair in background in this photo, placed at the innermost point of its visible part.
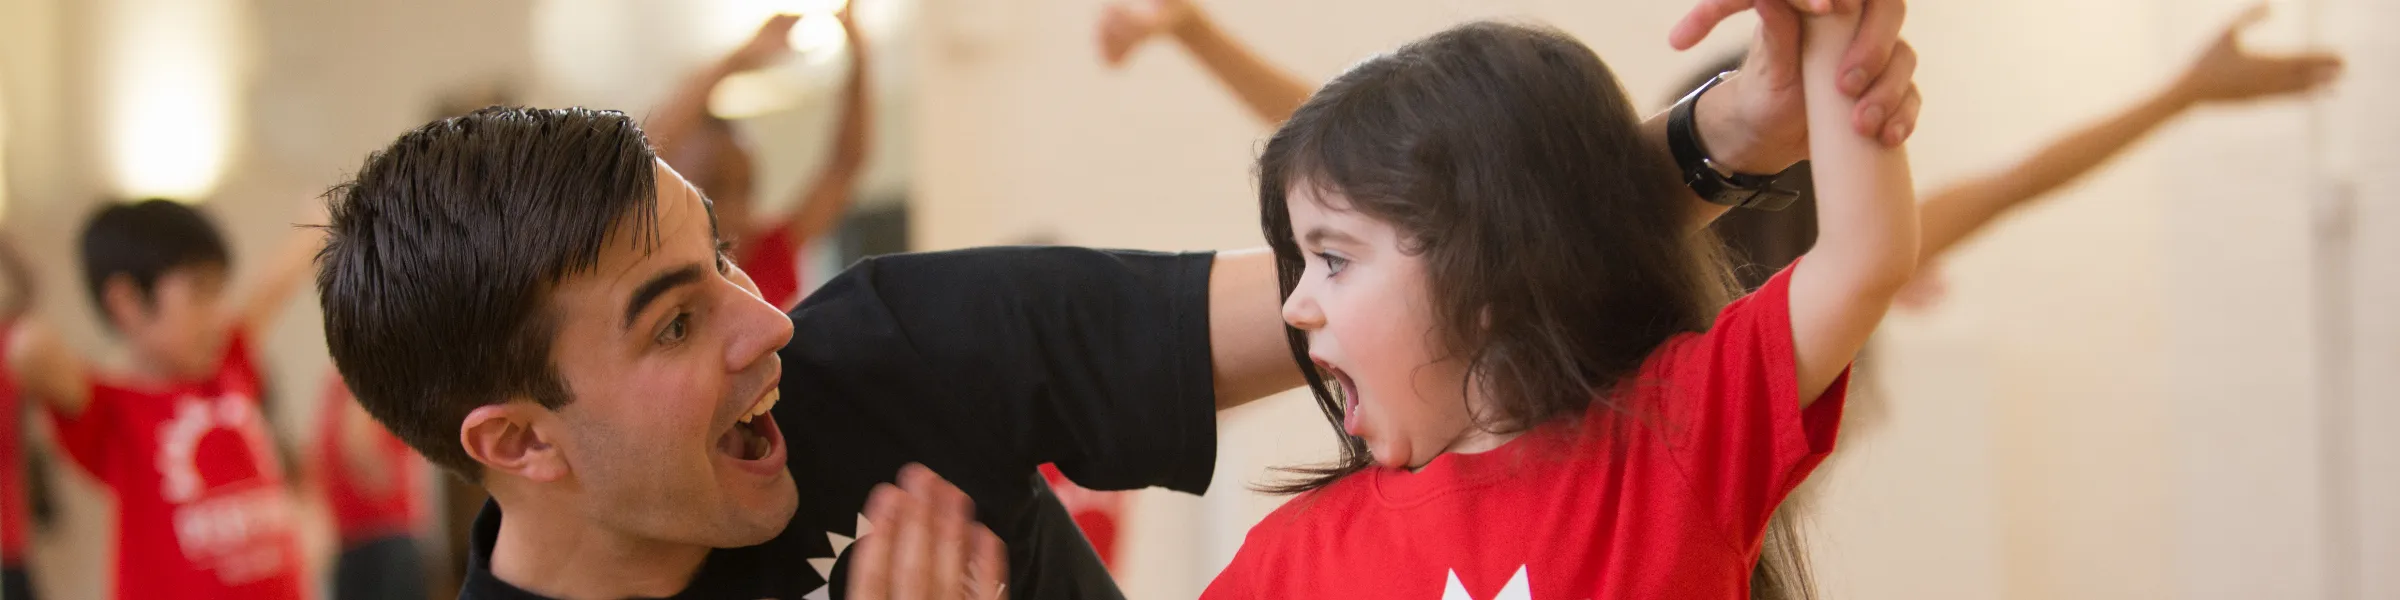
(143, 241)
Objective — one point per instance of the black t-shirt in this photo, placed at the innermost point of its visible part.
(981, 364)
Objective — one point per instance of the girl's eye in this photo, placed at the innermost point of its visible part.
(1333, 264)
(675, 330)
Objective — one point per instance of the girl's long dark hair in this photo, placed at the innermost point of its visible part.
(1559, 248)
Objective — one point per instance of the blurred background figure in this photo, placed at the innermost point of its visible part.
(177, 430)
(2168, 378)
(374, 486)
(16, 493)
(716, 157)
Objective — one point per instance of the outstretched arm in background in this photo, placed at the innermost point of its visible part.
(271, 283)
(829, 196)
(2224, 74)
(1270, 92)
(1758, 130)
(46, 369)
(673, 123)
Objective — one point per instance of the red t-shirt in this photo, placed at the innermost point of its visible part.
(1667, 499)
(12, 463)
(201, 509)
(362, 514)
(772, 262)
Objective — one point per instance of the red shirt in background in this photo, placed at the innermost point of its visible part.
(202, 510)
(13, 498)
(364, 511)
(774, 264)
(1667, 499)
(1095, 512)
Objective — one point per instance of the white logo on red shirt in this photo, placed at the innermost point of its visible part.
(179, 441)
(1516, 589)
(232, 531)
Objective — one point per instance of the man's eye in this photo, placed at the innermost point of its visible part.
(675, 330)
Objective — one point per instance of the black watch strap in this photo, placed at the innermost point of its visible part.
(1691, 159)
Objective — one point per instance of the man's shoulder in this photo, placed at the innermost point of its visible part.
(950, 269)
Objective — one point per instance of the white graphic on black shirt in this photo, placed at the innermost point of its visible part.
(824, 566)
(1516, 589)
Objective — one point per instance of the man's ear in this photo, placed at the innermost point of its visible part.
(504, 439)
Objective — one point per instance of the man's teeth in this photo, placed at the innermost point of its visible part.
(764, 404)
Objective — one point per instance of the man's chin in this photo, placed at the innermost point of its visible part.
(761, 519)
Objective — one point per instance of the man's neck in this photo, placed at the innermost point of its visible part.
(551, 551)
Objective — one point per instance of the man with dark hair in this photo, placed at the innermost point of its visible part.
(202, 509)
(532, 299)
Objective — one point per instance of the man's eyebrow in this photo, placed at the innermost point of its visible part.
(658, 286)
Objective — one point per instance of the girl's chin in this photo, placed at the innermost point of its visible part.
(1390, 457)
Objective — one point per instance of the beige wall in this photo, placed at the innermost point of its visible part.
(2361, 142)
(2118, 400)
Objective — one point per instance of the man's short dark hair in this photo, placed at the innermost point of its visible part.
(144, 240)
(442, 251)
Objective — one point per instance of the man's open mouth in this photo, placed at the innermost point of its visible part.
(755, 436)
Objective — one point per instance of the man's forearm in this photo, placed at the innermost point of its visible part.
(1252, 357)
(1654, 135)
(1728, 141)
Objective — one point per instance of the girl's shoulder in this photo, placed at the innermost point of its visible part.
(1314, 508)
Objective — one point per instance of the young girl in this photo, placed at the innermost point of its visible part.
(1508, 317)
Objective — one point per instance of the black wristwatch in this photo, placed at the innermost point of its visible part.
(1722, 186)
